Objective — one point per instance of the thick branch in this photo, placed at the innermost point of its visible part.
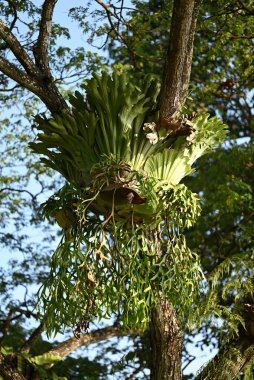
(39, 82)
(19, 76)
(65, 348)
(179, 57)
(32, 339)
(7, 369)
(47, 91)
(41, 47)
(52, 98)
(17, 48)
(107, 8)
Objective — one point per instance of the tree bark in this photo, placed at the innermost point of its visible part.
(65, 348)
(178, 62)
(166, 342)
(34, 76)
(32, 339)
(8, 363)
(50, 95)
(166, 333)
(8, 370)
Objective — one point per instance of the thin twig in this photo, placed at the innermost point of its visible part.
(15, 13)
(11, 317)
(9, 89)
(19, 191)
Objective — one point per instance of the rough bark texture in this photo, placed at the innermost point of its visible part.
(166, 342)
(166, 333)
(51, 97)
(8, 370)
(177, 70)
(35, 74)
(40, 48)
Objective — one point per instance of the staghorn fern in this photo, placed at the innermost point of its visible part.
(123, 247)
(108, 126)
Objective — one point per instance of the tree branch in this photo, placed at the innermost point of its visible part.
(9, 89)
(11, 317)
(43, 87)
(15, 13)
(106, 7)
(114, 29)
(19, 76)
(65, 348)
(40, 82)
(41, 47)
(179, 57)
(18, 191)
(17, 49)
(32, 339)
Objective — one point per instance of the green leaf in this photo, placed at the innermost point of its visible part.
(171, 165)
(6, 350)
(45, 359)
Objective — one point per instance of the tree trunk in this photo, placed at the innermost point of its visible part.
(176, 76)
(166, 342)
(166, 333)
